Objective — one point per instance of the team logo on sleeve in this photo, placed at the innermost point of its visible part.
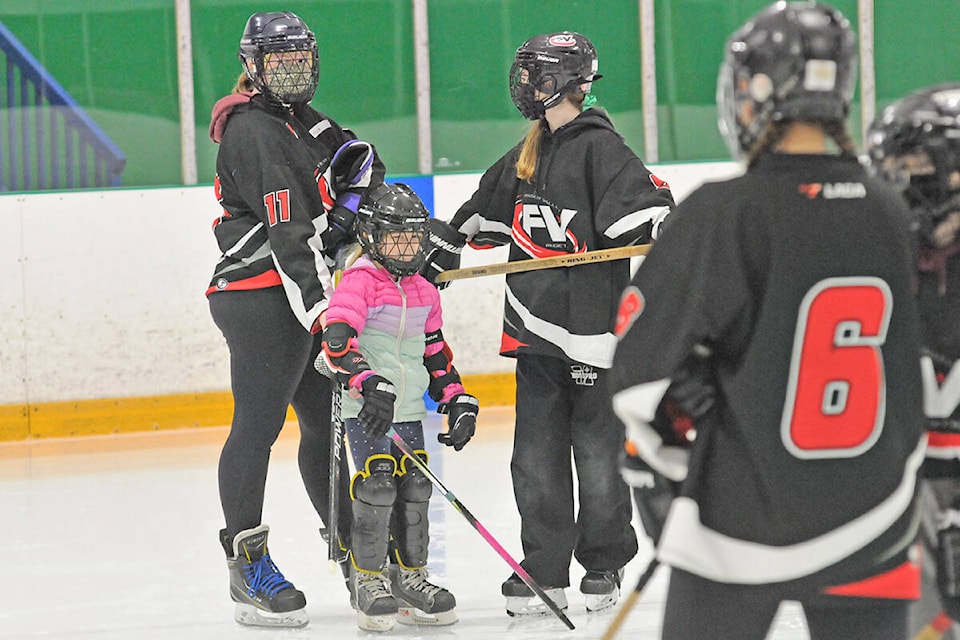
(630, 308)
(658, 183)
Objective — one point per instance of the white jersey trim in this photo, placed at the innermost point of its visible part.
(689, 545)
(635, 220)
(596, 350)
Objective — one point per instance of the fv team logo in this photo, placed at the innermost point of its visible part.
(563, 40)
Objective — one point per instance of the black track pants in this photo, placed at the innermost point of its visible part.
(565, 418)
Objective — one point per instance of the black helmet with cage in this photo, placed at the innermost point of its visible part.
(553, 64)
(791, 61)
(914, 144)
(392, 226)
(283, 79)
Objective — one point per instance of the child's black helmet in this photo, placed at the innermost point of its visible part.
(392, 228)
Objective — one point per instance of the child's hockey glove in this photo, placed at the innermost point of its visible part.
(461, 420)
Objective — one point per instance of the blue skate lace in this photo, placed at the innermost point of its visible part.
(264, 576)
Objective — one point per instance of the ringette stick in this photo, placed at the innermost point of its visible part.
(334, 553)
(345, 257)
(452, 499)
(568, 260)
(630, 601)
(936, 629)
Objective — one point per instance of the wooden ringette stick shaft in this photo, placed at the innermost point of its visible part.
(568, 260)
(452, 499)
(630, 601)
(936, 629)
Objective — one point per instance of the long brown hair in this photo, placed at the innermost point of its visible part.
(836, 130)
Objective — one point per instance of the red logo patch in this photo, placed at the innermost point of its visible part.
(811, 190)
(562, 40)
(658, 183)
(630, 308)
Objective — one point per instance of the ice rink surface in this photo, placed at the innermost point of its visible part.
(115, 538)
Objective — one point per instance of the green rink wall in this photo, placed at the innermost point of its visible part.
(118, 60)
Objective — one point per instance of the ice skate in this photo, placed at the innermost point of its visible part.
(370, 595)
(601, 589)
(522, 601)
(264, 597)
(419, 601)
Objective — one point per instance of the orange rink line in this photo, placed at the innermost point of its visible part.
(173, 412)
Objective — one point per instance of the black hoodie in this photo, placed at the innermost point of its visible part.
(590, 192)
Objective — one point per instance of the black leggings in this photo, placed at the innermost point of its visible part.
(701, 609)
(271, 367)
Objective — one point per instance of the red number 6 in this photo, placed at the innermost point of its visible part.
(835, 402)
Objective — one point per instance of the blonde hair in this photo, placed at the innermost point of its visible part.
(530, 151)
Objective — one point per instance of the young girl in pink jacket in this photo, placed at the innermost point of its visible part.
(383, 340)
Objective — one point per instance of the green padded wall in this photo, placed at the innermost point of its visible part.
(117, 58)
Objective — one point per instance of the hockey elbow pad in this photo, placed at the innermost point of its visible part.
(440, 365)
(340, 351)
(446, 244)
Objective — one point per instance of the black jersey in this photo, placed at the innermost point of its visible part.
(798, 276)
(938, 297)
(590, 192)
(277, 179)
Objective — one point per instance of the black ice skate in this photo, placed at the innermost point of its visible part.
(419, 601)
(601, 589)
(264, 597)
(370, 595)
(522, 601)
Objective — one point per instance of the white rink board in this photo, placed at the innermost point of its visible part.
(102, 294)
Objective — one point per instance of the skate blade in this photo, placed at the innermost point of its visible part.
(375, 623)
(411, 616)
(601, 601)
(250, 616)
(519, 606)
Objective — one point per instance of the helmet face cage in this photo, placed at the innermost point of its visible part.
(792, 61)
(279, 55)
(392, 228)
(915, 144)
(553, 65)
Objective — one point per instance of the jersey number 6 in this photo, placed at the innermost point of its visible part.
(835, 402)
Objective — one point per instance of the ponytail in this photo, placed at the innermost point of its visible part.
(530, 152)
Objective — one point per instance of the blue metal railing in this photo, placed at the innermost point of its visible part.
(47, 141)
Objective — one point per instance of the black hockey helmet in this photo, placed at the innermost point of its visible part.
(392, 228)
(791, 61)
(282, 79)
(554, 64)
(914, 143)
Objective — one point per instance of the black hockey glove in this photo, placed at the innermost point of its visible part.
(692, 388)
(446, 244)
(461, 413)
(948, 562)
(652, 493)
(376, 414)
